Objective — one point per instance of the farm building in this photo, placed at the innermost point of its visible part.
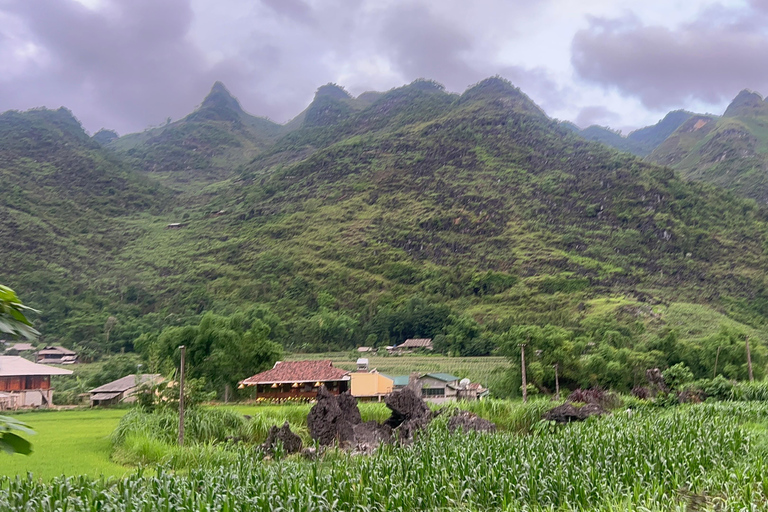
(297, 380)
(26, 384)
(369, 385)
(441, 387)
(56, 355)
(412, 344)
(122, 390)
(19, 348)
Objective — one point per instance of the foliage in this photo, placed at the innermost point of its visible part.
(12, 315)
(10, 441)
(677, 376)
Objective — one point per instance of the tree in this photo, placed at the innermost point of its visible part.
(12, 315)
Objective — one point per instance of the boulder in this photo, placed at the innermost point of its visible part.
(332, 419)
(409, 413)
(568, 412)
(467, 421)
(291, 442)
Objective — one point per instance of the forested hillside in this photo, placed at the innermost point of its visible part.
(474, 219)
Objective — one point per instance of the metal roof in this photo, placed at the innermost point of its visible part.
(401, 380)
(445, 377)
(15, 366)
(104, 396)
(126, 383)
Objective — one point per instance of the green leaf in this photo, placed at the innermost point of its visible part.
(12, 443)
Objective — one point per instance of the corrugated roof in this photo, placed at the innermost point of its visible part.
(401, 380)
(126, 383)
(104, 396)
(416, 343)
(445, 377)
(56, 351)
(299, 371)
(14, 366)
(22, 347)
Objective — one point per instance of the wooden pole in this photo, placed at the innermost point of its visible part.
(714, 374)
(525, 382)
(557, 385)
(749, 362)
(183, 350)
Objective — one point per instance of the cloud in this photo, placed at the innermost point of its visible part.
(709, 59)
(598, 115)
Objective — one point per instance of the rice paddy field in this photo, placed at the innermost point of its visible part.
(711, 456)
(478, 369)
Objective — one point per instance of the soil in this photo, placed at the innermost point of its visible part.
(467, 421)
(291, 442)
(568, 412)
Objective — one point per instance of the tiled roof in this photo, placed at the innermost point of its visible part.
(51, 351)
(299, 371)
(126, 383)
(416, 343)
(14, 366)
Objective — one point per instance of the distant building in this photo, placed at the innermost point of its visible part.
(19, 348)
(56, 355)
(440, 387)
(26, 384)
(412, 344)
(298, 380)
(370, 385)
(122, 390)
(365, 350)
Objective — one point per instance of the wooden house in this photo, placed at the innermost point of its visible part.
(25, 383)
(298, 380)
(56, 355)
(412, 344)
(122, 390)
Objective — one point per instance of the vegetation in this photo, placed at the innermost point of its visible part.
(708, 456)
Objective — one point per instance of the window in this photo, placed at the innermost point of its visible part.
(433, 391)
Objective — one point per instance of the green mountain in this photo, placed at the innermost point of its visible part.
(414, 212)
(63, 211)
(640, 142)
(205, 146)
(730, 151)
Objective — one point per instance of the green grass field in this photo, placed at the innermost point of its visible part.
(478, 369)
(67, 442)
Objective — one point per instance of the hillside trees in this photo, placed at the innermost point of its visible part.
(221, 349)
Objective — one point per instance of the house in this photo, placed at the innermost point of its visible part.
(19, 348)
(412, 344)
(56, 355)
(27, 383)
(471, 390)
(122, 390)
(439, 387)
(370, 385)
(298, 380)
(366, 350)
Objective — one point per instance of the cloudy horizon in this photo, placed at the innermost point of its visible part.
(130, 64)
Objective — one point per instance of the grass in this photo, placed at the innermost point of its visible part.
(478, 369)
(67, 443)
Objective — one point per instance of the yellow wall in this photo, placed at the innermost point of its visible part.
(370, 384)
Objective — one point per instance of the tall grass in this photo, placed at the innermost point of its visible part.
(691, 457)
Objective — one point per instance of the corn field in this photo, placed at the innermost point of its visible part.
(711, 456)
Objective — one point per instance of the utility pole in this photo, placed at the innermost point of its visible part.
(749, 362)
(557, 385)
(525, 381)
(183, 350)
(714, 374)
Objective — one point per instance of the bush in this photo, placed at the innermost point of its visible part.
(677, 376)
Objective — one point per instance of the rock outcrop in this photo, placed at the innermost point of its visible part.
(290, 441)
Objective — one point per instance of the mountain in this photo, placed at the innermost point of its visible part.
(640, 142)
(730, 151)
(474, 210)
(64, 213)
(204, 146)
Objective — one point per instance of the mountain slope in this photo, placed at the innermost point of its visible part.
(730, 151)
(204, 146)
(62, 212)
(640, 142)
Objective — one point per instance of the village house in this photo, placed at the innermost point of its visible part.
(18, 348)
(411, 345)
(298, 380)
(56, 355)
(369, 385)
(122, 390)
(26, 384)
(441, 387)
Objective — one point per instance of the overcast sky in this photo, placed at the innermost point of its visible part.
(129, 64)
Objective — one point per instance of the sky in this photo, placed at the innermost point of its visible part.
(131, 64)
